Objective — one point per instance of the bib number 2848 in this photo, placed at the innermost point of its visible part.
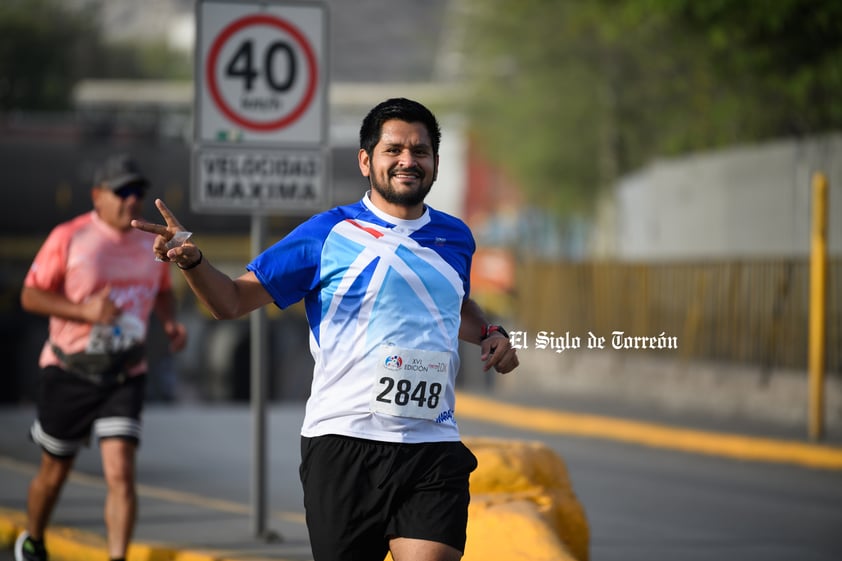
(401, 392)
(410, 383)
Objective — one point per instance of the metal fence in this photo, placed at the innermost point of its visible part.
(751, 312)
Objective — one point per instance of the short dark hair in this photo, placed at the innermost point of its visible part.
(400, 108)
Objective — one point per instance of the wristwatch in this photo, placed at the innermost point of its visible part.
(487, 330)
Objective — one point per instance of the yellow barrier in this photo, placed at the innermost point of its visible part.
(523, 507)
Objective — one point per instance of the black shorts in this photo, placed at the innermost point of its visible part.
(71, 408)
(358, 494)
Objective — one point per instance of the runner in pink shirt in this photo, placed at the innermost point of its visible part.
(95, 280)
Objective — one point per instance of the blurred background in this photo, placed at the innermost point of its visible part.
(636, 166)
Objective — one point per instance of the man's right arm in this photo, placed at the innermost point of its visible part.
(98, 308)
(224, 297)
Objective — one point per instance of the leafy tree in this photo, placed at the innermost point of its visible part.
(569, 94)
(41, 46)
(788, 54)
(534, 101)
(147, 59)
(46, 47)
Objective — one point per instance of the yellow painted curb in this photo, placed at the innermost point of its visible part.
(523, 489)
(649, 434)
(75, 545)
(11, 524)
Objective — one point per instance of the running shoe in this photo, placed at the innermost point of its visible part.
(27, 549)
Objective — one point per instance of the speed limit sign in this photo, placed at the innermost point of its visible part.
(260, 73)
(260, 142)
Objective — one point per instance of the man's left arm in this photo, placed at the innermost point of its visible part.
(497, 350)
(165, 311)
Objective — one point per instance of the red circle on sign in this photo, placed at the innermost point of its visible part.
(220, 102)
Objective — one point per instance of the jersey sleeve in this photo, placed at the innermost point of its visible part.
(459, 255)
(48, 269)
(289, 269)
(469, 256)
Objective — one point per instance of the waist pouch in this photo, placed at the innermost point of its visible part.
(101, 368)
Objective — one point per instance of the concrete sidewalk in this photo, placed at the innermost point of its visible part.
(172, 525)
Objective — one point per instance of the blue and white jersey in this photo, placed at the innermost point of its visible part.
(383, 298)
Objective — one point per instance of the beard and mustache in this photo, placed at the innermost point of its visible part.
(409, 197)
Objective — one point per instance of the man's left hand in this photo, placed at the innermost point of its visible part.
(177, 334)
(497, 352)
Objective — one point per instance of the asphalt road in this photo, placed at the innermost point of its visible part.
(641, 503)
(659, 505)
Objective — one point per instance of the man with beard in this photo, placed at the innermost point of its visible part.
(385, 283)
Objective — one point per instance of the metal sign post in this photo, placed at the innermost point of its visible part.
(260, 141)
(259, 363)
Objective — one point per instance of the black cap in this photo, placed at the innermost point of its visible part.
(119, 171)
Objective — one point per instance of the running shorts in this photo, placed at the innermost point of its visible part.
(358, 494)
(72, 408)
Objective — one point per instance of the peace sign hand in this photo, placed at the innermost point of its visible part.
(172, 242)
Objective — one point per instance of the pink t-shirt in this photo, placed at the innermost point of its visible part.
(78, 259)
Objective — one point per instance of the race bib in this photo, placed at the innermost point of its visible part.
(126, 333)
(410, 382)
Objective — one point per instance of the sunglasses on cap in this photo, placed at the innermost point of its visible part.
(126, 191)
